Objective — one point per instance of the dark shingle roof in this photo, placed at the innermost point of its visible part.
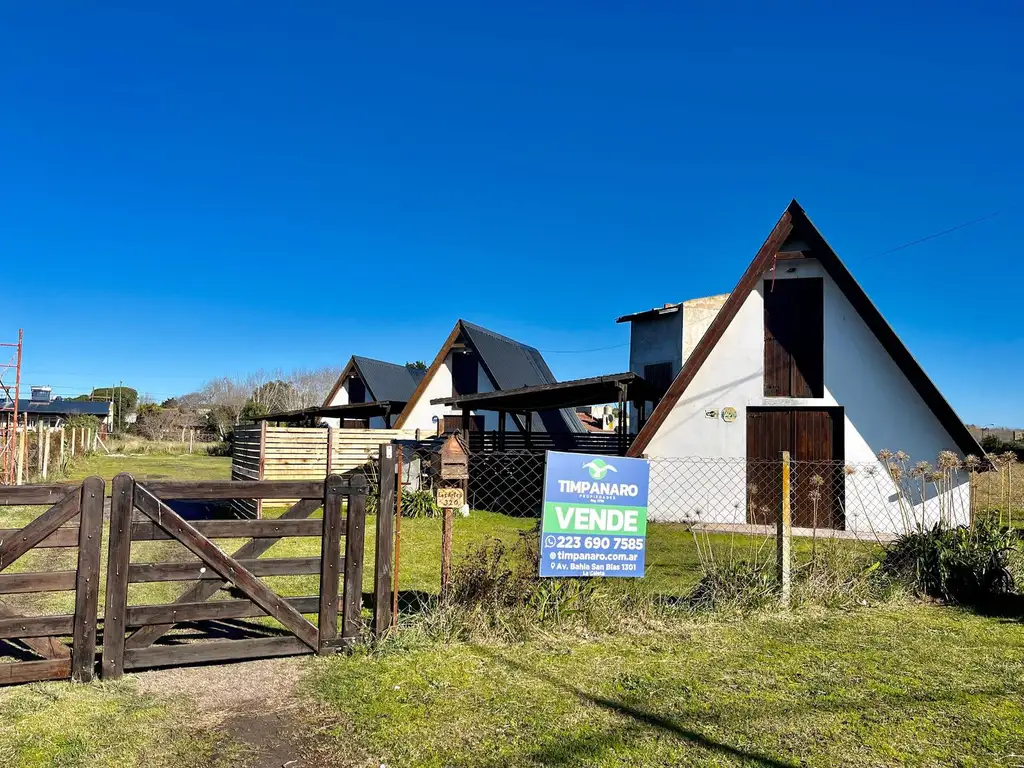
(387, 381)
(512, 364)
(59, 407)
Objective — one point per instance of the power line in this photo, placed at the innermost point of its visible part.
(581, 351)
(946, 231)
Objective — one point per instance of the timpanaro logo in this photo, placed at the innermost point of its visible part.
(598, 468)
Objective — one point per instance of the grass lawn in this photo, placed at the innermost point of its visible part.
(902, 684)
(919, 685)
(153, 466)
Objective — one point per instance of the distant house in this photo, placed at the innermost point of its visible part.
(51, 411)
(473, 360)
(798, 359)
(372, 391)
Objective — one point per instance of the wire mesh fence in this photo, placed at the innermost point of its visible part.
(704, 512)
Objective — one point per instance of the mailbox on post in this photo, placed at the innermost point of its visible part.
(451, 462)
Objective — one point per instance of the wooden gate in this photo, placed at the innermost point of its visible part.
(41, 634)
(139, 512)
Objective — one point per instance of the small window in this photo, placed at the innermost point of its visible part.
(464, 374)
(356, 390)
(659, 377)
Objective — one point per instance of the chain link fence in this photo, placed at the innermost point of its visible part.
(705, 511)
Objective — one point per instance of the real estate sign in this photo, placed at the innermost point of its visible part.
(595, 515)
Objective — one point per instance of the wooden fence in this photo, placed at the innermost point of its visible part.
(39, 450)
(140, 512)
(301, 453)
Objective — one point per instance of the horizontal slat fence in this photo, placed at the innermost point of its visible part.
(303, 453)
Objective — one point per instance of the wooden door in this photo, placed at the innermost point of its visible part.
(454, 424)
(794, 338)
(769, 433)
(817, 476)
(814, 439)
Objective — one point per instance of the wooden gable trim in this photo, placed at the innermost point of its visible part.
(887, 337)
(425, 381)
(748, 282)
(341, 380)
(796, 219)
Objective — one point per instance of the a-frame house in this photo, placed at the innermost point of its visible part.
(799, 359)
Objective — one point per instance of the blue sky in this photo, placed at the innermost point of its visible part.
(200, 189)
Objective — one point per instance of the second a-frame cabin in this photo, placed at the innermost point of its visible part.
(798, 359)
(370, 394)
(473, 360)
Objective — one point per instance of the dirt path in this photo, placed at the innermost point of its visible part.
(257, 704)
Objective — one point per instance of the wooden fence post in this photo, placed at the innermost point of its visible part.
(122, 500)
(40, 431)
(46, 453)
(446, 550)
(355, 532)
(22, 451)
(74, 434)
(784, 536)
(330, 552)
(385, 542)
(87, 584)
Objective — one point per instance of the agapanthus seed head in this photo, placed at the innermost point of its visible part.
(972, 462)
(850, 469)
(902, 455)
(817, 480)
(884, 455)
(921, 469)
(896, 472)
(948, 460)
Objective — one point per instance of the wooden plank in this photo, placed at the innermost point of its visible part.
(48, 581)
(15, 546)
(385, 542)
(36, 626)
(199, 570)
(235, 489)
(230, 569)
(11, 495)
(212, 610)
(204, 653)
(205, 589)
(118, 557)
(87, 588)
(47, 647)
(355, 531)
(330, 552)
(62, 537)
(235, 529)
(32, 671)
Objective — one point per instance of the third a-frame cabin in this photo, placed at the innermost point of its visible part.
(798, 359)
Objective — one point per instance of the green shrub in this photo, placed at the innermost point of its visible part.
(419, 504)
(962, 565)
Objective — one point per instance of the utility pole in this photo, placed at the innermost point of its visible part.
(9, 448)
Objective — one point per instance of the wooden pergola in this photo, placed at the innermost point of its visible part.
(386, 409)
(521, 403)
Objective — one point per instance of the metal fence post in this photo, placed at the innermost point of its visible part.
(395, 590)
(385, 542)
(784, 536)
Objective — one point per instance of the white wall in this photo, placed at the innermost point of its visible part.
(440, 385)
(882, 409)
